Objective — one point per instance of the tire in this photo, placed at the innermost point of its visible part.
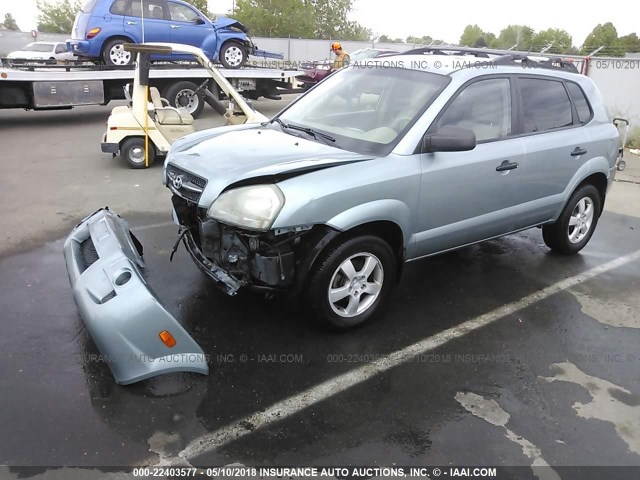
(180, 95)
(354, 305)
(115, 56)
(233, 55)
(577, 222)
(132, 150)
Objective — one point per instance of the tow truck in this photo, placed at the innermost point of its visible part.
(53, 86)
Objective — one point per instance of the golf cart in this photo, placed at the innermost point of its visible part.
(148, 125)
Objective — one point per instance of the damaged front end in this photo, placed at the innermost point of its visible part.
(275, 260)
(138, 337)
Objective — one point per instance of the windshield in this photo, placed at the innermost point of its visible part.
(38, 47)
(366, 110)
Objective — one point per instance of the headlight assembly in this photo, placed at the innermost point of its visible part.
(254, 207)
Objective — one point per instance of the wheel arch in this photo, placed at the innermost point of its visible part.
(598, 180)
(324, 237)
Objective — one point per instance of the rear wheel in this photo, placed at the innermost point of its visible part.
(233, 55)
(181, 95)
(351, 281)
(114, 54)
(132, 151)
(577, 222)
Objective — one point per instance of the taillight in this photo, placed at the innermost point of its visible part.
(93, 32)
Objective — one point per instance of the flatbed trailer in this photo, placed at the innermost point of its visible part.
(50, 86)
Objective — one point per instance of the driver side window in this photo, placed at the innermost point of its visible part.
(483, 107)
(181, 13)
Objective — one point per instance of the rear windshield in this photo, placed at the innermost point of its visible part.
(38, 47)
(87, 6)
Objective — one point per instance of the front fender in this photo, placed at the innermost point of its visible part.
(388, 209)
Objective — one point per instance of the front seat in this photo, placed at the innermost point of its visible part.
(166, 114)
(172, 122)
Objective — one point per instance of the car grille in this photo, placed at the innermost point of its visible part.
(89, 253)
(185, 184)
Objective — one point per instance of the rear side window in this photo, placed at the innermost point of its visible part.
(152, 9)
(580, 101)
(118, 7)
(545, 105)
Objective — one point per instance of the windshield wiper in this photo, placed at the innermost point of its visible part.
(278, 121)
(311, 132)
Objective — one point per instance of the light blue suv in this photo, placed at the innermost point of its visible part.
(390, 161)
(103, 26)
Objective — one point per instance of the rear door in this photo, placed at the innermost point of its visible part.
(468, 196)
(187, 25)
(148, 21)
(555, 143)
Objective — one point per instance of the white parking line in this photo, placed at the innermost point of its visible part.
(296, 403)
(152, 226)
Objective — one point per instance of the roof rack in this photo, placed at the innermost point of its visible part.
(450, 50)
(552, 63)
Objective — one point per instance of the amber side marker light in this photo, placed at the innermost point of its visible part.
(4, 75)
(167, 339)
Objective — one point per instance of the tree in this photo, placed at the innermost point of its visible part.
(470, 35)
(10, 22)
(386, 39)
(57, 16)
(201, 5)
(560, 41)
(603, 35)
(276, 18)
(631, 43)
(425, 40)
(325, 19)
(519, 35)
(331, 20)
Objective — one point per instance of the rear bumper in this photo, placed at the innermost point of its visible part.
(108, 147)
(79, 47)
(119, 309)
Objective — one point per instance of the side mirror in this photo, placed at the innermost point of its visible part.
(199, 21)
(449, 139)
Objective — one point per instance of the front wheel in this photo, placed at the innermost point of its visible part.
(232, 55)
(577, 222)
(132, 151)
(351, 281)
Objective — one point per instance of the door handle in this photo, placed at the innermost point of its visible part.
(578, 151)
(175, 26)
(132, 23)
(506, 165)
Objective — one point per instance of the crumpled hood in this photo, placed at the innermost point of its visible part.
(226, 22)
(231, 154)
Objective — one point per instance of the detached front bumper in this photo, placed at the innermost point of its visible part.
(138, 337)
